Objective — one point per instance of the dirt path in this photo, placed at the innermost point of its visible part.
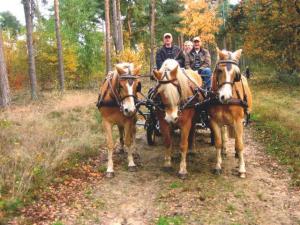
(151, 196)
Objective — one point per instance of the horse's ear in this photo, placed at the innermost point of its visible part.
(120, 70)
(137, 70)
(174, 72)
(157, 74)
(237, 54)
(221, 54)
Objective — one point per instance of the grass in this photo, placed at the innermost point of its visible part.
(277, 121)
(39, 138)
(170, 220)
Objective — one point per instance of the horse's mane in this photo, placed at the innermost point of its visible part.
(171, 64)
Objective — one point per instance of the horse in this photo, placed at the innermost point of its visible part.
(175, 88)
(234, 102)
(116, 104)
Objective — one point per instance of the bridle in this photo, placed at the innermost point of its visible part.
(228, 63)
(116, 94)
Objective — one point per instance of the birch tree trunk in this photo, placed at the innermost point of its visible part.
(31, 61)
(4, 85)
(61, 75)
(107, 37)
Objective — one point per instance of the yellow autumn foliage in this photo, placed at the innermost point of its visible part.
(199, 19)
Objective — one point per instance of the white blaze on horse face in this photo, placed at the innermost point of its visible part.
(128, 103)
(225, 91)
(172, 115)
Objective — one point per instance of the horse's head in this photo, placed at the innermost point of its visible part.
(169, 89)
(128, 86)
(226, 73)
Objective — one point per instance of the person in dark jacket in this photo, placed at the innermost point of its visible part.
(169, 51)
(198, 59)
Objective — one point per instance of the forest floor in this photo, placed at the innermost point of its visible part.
(81, 194)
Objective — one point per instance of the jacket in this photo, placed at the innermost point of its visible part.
(205, 60)
(162, 55)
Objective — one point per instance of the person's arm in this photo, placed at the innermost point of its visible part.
(180, 58)
(207, 59)
(187, 61)
(158, 59)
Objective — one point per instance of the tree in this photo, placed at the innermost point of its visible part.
(9, 22)
(120, 27)
(28, 10)
(199, 19)
(268, 31)
(115, 25)
(4, 86)
(152, 35)
(107, 38)
(61, 76)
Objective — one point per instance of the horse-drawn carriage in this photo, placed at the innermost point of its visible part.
(177, 101)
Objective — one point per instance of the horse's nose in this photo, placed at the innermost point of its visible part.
(222, 97)
(126, 110)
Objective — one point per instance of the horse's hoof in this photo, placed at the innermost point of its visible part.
(243, 175)
(236, 155)
(110, 174)
(183, 176)
(217, 171)
(167, 169)
(132, 168)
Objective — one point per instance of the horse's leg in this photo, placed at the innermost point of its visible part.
(109, 139)
(165, 130)
(184, 147)
(121, 133)
(239, 147)
(218, 144)
(192, 138)
(224, 141)
(129, 146)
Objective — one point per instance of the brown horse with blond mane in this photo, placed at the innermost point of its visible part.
(175, 87)
(116, 104)
(235, 101)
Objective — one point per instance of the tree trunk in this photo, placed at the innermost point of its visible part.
(107, 38)
(61, 76)
(115, 25)
(152, 36)
(31, 61)
(120, 27)
(4, 85)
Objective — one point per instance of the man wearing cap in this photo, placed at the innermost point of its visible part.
(169, 51)
(199, 59)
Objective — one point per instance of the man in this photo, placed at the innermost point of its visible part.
(188, 46)
(199, 59)
(169, 51)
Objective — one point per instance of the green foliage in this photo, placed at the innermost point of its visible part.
(9, 22)
(268, 31)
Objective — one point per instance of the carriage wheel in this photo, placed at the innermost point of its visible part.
(150, 135)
